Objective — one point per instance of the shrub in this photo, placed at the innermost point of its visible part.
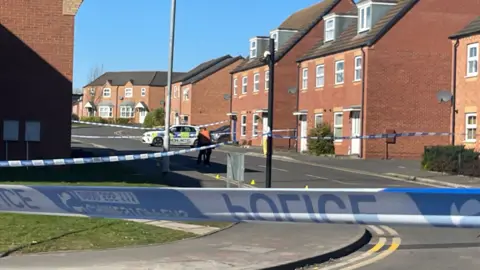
(121, 121)
(451, 159)
(75, 117)
(320, 146)
(95, 119)
(155, 118)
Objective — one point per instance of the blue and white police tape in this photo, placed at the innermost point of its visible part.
(104, 159)
(389, 206)
(141, 128)
(105, 137)
(214, 123)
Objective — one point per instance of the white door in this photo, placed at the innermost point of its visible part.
(303, 133)
(141, 115)
(355, 143)
(265, 125)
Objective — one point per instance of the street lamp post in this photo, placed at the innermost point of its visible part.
(166, 136)
(270, 57)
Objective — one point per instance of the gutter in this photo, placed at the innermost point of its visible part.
(362, 109)
(454, 89)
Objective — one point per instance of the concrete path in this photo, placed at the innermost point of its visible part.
(244, 246)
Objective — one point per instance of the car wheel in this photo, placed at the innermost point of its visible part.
(194, 144)
(158, 142)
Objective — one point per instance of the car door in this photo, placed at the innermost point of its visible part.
(175, 135)
(189, 135)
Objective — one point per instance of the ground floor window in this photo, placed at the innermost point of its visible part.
(126, 112)
(243, 123)
(338, 125)
(105, 111)
(255, 119)
(318, 119)
(470, 127)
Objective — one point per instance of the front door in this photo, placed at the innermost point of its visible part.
(355, 143)
(303, 133)
(141, 115)
(265, 125)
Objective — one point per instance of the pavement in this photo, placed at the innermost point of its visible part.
(390, 248)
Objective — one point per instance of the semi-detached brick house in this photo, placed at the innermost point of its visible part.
(37, 46)
(466, 83)
(130, 95)
(380, 68)
(202, 95)
(298, 33)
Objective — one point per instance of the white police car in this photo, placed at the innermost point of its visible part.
(180, 135)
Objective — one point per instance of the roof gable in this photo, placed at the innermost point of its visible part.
(473, 28)
(212, 70)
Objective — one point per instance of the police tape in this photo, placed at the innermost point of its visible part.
(104, 159)
(105, 137)
(458, 208)
(134, 127)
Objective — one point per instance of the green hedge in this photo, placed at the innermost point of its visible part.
(98, 119)
(451, 159)
(155, 118)
(320, 146)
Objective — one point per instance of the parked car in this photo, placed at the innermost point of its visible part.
(221, 134)
(180, 135)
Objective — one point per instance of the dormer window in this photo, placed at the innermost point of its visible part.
(253, 48)
(365, 21)
(330, 30)
(274, 36)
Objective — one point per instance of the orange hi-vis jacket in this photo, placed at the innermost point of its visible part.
(204, 137)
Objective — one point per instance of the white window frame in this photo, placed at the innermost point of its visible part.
(129, 91)
(244, 84)
(330, 30)
(235, 86)
(267, 79)
(472, 61)
(255, 125)
(253, 48)
(357, 74)
(470, 127)
(337, 126)
(243, 124)
(304, 78)
(364, 23)
(274, 36)
(102, 110)
(143, 92)
(176, 93)
(319, 76)
(107, 92)
(186, 94)
(127, 112)
(315, 119)
(339, 71)
(256, 82)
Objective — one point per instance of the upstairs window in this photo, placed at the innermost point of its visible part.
(267, 79)
(128, 92)
(329, 29)
(186, 94)
(358, 68)
(176, 93)
(365, 18)
(304, 78)
(244, 85)
(143, 92)
(106, 92)
(253, 49)
(339, 72)
(256, 82)
(472, 59)
(235, 86)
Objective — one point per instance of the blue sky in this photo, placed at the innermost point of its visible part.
(133, 35)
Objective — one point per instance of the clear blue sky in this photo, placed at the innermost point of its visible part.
(133, 35)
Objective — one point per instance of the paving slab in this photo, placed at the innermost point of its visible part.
(244, 246)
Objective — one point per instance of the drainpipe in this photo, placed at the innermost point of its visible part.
(362, 109)
(454, 89)
(116, 104)
(298, 105)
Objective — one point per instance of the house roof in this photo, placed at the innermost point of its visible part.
(201, 68)
(76, 98)
(303, 21)
(473, 28)
(120, 78)
(209, 71)
(350, 39)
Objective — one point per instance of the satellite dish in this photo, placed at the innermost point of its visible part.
(226, 97)
(444, 96)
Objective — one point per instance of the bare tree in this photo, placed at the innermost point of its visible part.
(94, 73)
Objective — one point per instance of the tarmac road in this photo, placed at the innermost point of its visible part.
(412, 248)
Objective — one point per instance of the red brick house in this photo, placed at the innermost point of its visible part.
(466, 83)
(129, 95)
(380, 68)
(202, 95)
(293, 38)
(37, 44)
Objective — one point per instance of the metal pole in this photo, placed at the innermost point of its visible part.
(271, 66)
(166, 137)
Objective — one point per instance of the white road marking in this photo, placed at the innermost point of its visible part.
(333, 180)
(273, 168)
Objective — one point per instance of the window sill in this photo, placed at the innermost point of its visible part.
(471, 75)
(357, 81)
(470, 142)
(338, 85)
(255, 92)
(338, 141)
(319, 88)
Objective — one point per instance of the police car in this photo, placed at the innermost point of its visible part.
(180, 135)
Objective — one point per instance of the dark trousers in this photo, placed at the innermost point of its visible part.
(205, 155)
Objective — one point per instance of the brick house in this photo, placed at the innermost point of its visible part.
(130, 95)
(466, 83)
(380, 68)
(37, 43)
(77, 103)
(201, 95)
(298, 33)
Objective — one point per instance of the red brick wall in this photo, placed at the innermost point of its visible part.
(37, 52)
(405, 71)
(468, 94)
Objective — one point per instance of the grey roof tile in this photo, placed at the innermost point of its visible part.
(473, 28)
(220, 65)
(147, 78)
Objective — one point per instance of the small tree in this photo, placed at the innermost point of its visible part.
(316, 143)
(155, 118)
